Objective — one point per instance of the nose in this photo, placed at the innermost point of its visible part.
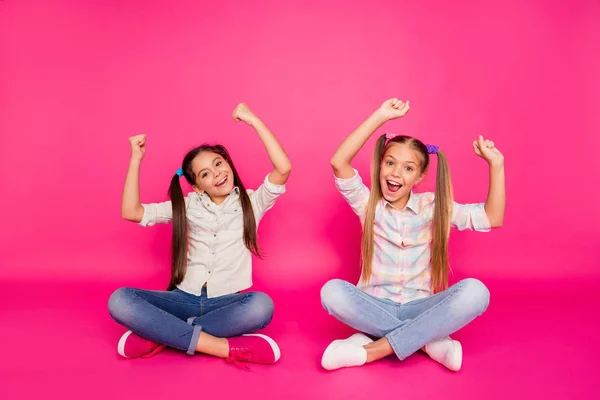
(396, 172)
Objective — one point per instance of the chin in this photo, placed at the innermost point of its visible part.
(229, 187)
(225, 190)
(391, 198)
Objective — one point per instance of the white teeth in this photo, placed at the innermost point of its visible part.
(222, 181)
(393, 183)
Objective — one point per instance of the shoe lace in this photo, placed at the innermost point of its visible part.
(238, 355)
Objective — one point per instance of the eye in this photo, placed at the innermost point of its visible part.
(409, 169)
(389, 163)
(219, 163)
(204, 175)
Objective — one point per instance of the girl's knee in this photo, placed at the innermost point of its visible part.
(333, 294)
(120, 302)
(475, 295)
(260, 307)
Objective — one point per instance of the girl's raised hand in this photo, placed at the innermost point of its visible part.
(394, 108)
(243, 113)
(138, 146)
(488, 151)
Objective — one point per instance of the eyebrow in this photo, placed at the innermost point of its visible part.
(214, 159)
(406, 162)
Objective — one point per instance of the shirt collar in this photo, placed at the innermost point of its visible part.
(232, 197)
(412, 204)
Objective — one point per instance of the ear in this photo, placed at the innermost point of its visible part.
(420, 179)
(197, 189)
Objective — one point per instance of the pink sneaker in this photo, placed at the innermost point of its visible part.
(134, 346)
(254, 348)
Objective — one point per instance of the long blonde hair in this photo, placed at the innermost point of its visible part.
(442, 213)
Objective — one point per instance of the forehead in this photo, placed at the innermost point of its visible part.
(204, 160)
(403, 152)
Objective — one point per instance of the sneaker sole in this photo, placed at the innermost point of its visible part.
(271, 342)
(121, 345)
(456, 356)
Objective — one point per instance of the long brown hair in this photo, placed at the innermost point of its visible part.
(441, 214)
(180, 232)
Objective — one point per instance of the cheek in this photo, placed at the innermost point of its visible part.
(383, 172)
(412, 180)
(204, 184)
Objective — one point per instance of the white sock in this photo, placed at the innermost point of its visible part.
(447, 352)
(343, 353)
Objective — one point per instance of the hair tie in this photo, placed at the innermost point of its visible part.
(389, 136)
(179, 172)
(431, 149)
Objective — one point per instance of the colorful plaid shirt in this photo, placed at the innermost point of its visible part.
(402, 255)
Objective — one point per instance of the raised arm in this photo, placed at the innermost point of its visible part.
(496, 199)
(281, 163)
(342, 159)
(131, 208)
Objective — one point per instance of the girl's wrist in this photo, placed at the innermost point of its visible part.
(380, 116)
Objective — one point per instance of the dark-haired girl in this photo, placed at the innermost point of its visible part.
(214, 237)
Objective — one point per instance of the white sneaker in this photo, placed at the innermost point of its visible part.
(358, 338)
(346, 353)
(447, 352)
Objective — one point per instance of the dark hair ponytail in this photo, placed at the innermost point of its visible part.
(250, 237)
(179, 243)
(179, 238)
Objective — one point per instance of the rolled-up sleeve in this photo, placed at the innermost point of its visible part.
(265, 196)
(471, 217)
(355, 192)
(161, 213)
(157, 213)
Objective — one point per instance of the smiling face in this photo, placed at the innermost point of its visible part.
(212, 175)
(401, 168)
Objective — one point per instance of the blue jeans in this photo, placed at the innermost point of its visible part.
(408, 327)
(176, 318)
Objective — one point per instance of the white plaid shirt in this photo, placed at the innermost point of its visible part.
(216, 254)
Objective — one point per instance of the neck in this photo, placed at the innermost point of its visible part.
(218, 200)
(401, 203)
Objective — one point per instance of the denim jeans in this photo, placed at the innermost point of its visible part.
(408, 327)
(176, 318)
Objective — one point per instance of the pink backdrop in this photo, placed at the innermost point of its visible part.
(78, 77)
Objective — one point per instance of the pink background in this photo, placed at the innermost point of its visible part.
(78, 77)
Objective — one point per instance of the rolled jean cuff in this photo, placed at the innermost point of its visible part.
(395, 347)
(195, 336)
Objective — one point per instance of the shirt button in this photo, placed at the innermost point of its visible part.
(215, 235)
(209, 272)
